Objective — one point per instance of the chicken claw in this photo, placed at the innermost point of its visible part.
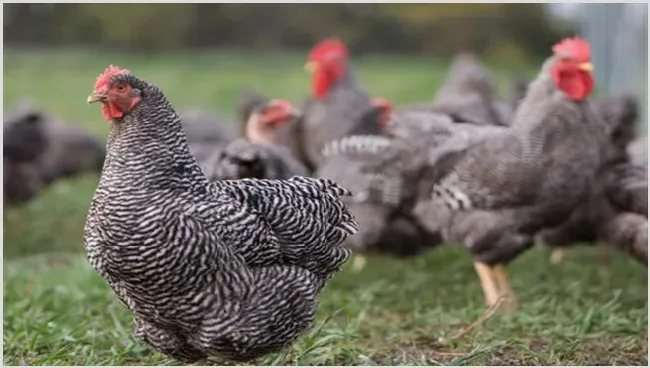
(495, 284)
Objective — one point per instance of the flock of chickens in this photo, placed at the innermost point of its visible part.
(219, 244)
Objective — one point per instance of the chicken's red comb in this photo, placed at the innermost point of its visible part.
(330, 47)
(577, 47)
(103, 78)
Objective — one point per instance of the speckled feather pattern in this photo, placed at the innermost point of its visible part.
(230, 268)
(615, 213)
(503, 189)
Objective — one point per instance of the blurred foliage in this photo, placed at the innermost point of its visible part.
(439, 29)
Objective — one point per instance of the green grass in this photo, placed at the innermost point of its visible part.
(58, 311)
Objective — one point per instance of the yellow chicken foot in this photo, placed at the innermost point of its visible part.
(487, 283)
(495, 284)
(505, 289)
(558, 256)
(358, 263)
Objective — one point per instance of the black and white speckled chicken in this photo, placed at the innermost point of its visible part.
(469, 94)
(502, 190)
(229, 268)
(257, 155)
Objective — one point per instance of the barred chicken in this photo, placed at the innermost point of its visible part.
(617, 179)
(257, 155)
(498, 193)
(230, 268)
(615, 213)
(384, 173)
(380, 201)
(469, 94)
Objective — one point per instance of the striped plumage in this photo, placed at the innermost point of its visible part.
(615, 213)
(383, 173)
(502, 190)
(229, 268)
(532, 176)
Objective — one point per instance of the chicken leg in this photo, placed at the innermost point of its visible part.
(505, 289)
(495, 284)
(358, 263)
(558, 256)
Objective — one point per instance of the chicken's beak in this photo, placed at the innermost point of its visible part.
(587, 67)
(95, 97)
(311, 66)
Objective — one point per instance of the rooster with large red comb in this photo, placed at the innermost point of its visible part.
(500, 191)
(338, 104)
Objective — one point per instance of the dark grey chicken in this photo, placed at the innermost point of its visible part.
(249, 100)
(615, 214)
(257, 156)
(469, 94)
(380, 201)
(385, 172)
(67, 150)
(230, 268)
(24, 141)
(24, 138)
(337, 105)
(501, 191)
(620, 115)
(206, 131)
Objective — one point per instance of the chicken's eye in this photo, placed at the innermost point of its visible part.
(120, 88)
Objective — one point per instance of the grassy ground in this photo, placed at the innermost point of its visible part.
(57, 311)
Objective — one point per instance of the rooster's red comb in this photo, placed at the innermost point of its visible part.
(329, 47)
(103, 78)
(577, 47)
